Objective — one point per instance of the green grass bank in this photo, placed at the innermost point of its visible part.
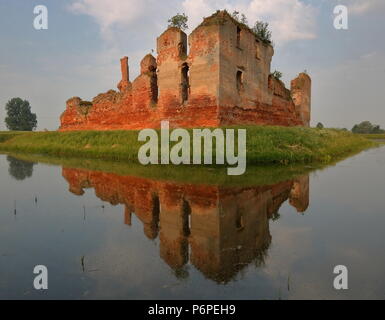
(377, 136)
(265, 144)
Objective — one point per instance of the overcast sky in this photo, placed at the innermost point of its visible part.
(79, 53)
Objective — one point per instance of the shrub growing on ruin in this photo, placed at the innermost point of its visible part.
(19, 115)
(178, 21)
(319, 125)
(261, 30)
(240, 17)
(277, 74)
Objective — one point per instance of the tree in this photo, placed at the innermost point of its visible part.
(377, 129)
(319, 125)
(19, 115)
(178, 21)
(261, 30)
(367, 127)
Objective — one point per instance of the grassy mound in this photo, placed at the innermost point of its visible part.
(265, 144)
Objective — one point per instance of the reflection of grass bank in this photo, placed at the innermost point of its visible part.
(265, 145)
(254, 176)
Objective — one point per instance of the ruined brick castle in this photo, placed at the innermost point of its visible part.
(222, 79)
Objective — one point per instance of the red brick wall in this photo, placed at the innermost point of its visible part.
(214, 100)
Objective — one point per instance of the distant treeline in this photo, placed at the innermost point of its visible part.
(367, 127)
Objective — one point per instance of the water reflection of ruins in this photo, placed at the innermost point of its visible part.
(220, 230)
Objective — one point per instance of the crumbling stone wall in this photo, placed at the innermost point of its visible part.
(219, 75)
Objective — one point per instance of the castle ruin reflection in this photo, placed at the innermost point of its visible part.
(218, 229)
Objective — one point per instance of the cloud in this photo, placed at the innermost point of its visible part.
(197, 9)
(359, 7)
(127, 27)
(289, 19)
(110, 13)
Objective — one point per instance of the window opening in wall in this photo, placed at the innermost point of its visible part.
(257, 54)
(239, 220)
(239, 81)
(185, 82)
(186, 216)
(154, 85)
(238, 37)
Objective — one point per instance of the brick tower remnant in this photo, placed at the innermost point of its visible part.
(301, 95)
(218, 75)
(124, 84)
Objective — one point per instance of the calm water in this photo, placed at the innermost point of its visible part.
(103, 235)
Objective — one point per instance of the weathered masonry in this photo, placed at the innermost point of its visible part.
(219, 75)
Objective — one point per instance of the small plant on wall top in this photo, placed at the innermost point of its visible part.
(261, 30)
(277, 74)
(178, 21)
(240, 17)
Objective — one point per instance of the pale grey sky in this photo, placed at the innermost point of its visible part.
(79, 53)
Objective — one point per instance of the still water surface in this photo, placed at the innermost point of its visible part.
(111, 236)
